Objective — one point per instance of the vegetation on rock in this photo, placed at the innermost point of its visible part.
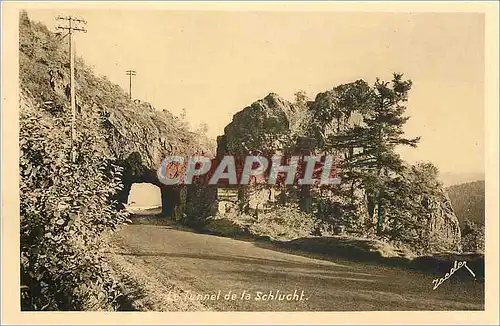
(65, 208)
(381, 196)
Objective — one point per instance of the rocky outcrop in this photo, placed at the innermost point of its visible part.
(422, 215)
(136, 133)
(263, 126)
(426, 221)
(444, 226)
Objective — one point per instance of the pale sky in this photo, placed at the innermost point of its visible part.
(214, 64)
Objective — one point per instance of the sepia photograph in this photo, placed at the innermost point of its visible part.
(200, 159)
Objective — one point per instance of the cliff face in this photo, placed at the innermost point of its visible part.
(136, 135)
(444, 226)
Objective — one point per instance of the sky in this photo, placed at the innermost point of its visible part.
(213, 64)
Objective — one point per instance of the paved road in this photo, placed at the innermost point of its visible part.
(205, 264)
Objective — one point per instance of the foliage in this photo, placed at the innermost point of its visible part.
(66, 208)
(225, 227)
(280, 223)
(409, 206)
(339, 210)
(200, 203)
(375, 162)
(285, 223)
(473, 237)
(40, 63)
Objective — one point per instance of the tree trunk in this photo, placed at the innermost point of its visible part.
(305, 198)
(370, 208)
(380, 217)
(243, 199)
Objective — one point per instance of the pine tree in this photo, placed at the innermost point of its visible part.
(375, 160)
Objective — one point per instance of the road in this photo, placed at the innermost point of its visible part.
(212, 267)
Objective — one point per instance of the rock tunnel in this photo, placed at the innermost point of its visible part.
(136, 173)
(169, 197)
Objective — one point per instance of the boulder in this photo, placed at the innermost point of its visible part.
(263, 126)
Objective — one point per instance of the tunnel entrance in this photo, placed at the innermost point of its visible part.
(144, 197)
(142, 190)
(152, 198)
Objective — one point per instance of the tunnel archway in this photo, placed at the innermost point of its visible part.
(141, 195)
(136, 175)
(177, 201)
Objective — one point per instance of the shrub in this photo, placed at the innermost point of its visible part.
(285, 223)
(65, 208)
(225, 227)
(280, 223)
(472, 237)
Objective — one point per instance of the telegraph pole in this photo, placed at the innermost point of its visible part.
(130, 73)
(71, 28)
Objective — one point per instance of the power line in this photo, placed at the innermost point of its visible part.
(71, 28)
(130, 73)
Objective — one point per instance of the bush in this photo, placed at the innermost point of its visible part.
(65, 208)
(472, 237)
(280, 223)
(285, 223)
(225, 227)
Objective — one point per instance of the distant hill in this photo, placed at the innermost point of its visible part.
(467, 200)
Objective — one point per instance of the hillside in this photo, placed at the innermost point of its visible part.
(468, 202)
(131, 131)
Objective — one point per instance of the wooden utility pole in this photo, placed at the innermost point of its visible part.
(130, 73)
(72, 28)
